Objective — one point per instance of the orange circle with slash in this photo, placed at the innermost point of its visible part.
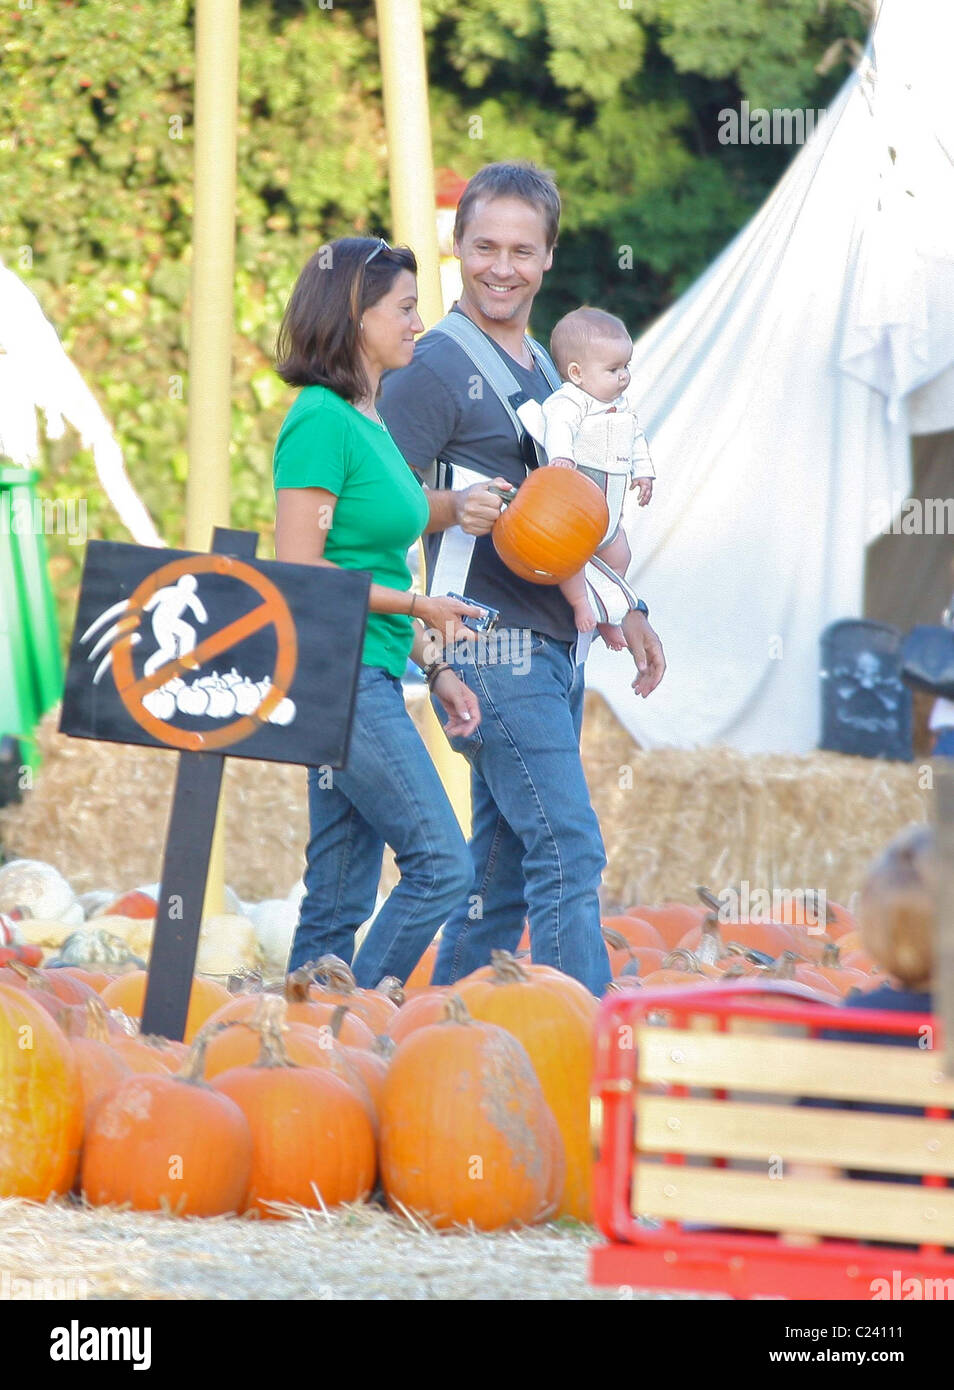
(272, 611)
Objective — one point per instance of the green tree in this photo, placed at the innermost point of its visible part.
(619, 97)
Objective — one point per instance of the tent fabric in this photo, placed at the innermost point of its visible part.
(777, 398)
(36, 374)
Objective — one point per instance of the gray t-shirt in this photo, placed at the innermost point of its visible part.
(439, 408)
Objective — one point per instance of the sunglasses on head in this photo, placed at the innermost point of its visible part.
(381, 246)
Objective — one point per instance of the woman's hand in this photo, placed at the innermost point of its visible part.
(444, 615)
(459, 701)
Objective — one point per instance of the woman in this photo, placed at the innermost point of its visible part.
(346, 497)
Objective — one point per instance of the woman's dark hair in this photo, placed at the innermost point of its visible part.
(318, 338)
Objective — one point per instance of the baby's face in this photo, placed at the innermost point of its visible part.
(604, 369)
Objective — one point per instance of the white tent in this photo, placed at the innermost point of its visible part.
(36, 373)
(779, 395)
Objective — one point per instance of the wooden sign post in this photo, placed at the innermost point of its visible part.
(212, 655)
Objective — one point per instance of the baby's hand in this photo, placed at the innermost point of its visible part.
(645, 486)
(562, 463)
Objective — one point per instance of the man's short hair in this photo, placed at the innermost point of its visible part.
(522, 180)
(574, 333)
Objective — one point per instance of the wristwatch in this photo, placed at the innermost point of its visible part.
(641, 606)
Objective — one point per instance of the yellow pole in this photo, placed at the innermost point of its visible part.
(410, 163)
(413, 222)
(213, 275)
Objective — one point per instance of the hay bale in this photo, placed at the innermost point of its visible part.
(64, 1250)
(671, 818)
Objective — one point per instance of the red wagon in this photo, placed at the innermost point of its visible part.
(727, 1137)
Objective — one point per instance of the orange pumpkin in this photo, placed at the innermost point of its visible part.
(558, 1036)
(336, 985)
(135, 904)
(768, 937)
(101, 1070)
(553, 525)
(148, 1055)
(420, 976)
(312, 1141)
(96, 979)
(240, 1046)
(41, 1101)
(465, 1136)
(302, 1008)
(168, 1141)
(421, 1009)
(620, 952)
(671, 920)
(128, 992)
(637, 931)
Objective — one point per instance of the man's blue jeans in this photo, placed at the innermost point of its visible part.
(390, 794)
(536, 845)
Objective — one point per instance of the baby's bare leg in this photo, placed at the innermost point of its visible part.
(574, 591)
(616, 553)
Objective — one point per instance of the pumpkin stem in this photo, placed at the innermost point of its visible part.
(296, 986)
(709, 898)
(384, 1047)
(456, 1011)
(269, 1022)
(784, 967)
(392, 989)
(507, 969)
(192, 1070)
(97, 1020)
(711, 947)
(681, 959)
(334, 974)
(615, 940)
(337, 1021)
(831, 956)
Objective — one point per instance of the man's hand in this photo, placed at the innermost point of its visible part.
(647, 652)
(562, 463)
(477, 508)
(460, 704)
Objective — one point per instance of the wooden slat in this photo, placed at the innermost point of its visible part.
(794, 1066)
(848, 1208)
(845, 1139)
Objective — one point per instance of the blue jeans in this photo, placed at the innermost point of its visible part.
(944, 743)
(390, 794)
(536, 845)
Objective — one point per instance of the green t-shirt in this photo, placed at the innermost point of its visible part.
(381, 509)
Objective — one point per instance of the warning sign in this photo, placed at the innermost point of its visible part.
(210, 653)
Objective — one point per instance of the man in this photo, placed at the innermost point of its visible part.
(536, 843)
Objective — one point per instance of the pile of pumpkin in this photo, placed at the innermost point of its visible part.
(466, 1104)
(675, 943)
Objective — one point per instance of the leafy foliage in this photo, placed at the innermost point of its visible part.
(619, 97)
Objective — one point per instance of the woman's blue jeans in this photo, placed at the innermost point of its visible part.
(390, 793)
(536, 845)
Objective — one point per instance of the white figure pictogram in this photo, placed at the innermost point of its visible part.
(174, 635)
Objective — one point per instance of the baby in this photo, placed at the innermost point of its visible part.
(589, 425)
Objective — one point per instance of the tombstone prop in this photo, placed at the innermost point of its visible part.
(866, 707)
(211, 655)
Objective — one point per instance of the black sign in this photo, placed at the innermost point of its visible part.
(866, 707)
(211, 653)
